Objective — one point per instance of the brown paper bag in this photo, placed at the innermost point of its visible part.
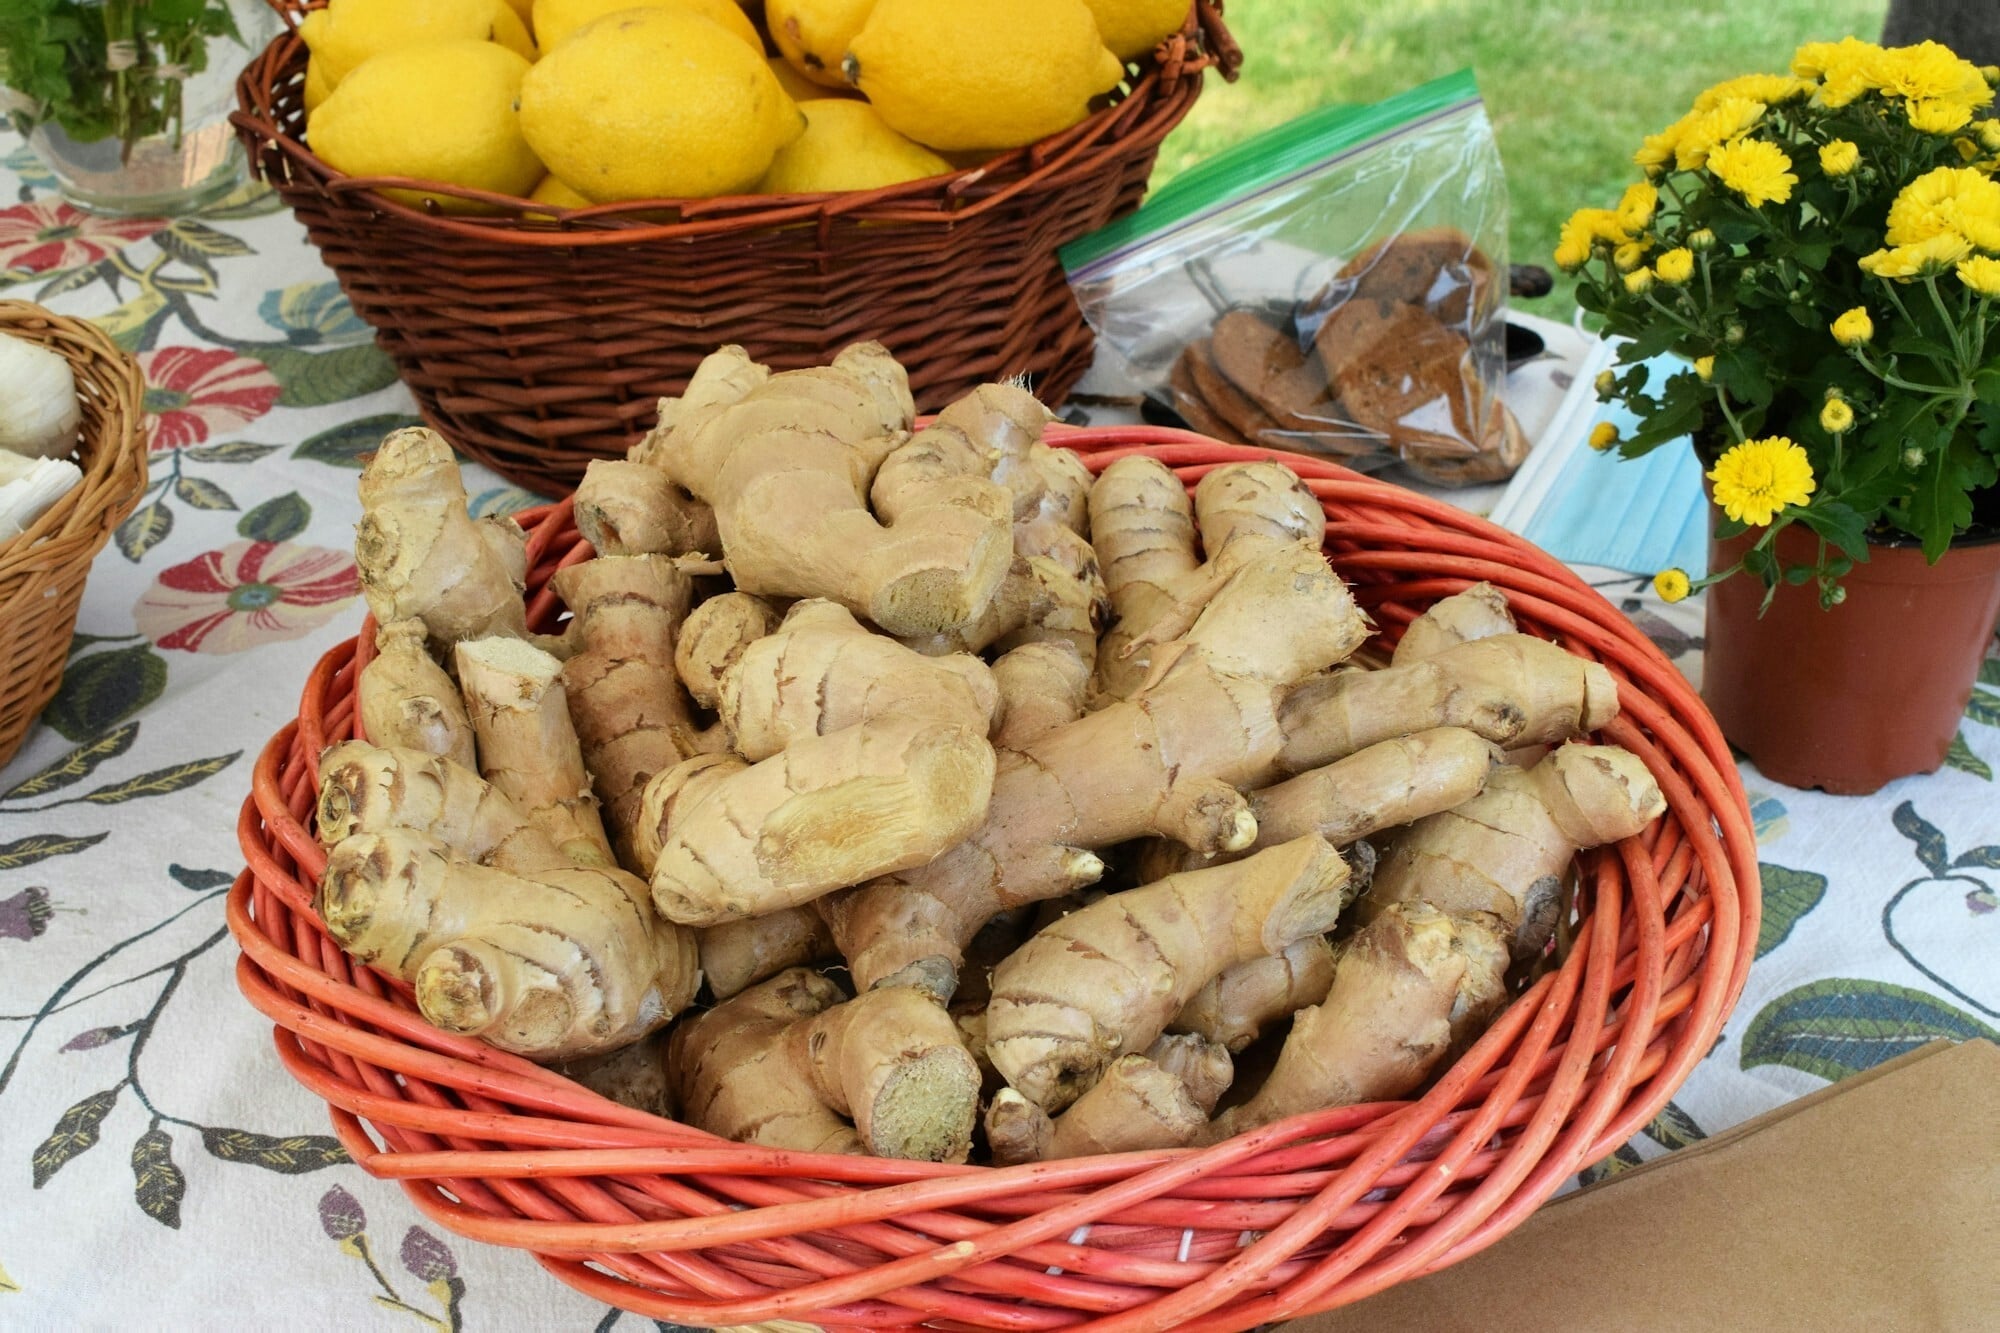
(1871, 1205)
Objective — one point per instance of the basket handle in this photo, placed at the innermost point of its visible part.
(291, 11)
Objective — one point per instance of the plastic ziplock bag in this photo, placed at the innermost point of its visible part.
(1336, 286)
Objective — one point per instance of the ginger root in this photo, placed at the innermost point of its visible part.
(1239, 1003)
(1106, 980)
(553, 964)
(714, 636)
(1479, 612)
(366, 788)
(422, 557)
(528, 746)
(406, 699)
(1403, 988)
(629, 508)
(1042, 687)
(785, 1063)
(625, 701)
(785, 461)
(737, 954)
(1504, 854)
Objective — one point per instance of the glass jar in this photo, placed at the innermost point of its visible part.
(143, 128)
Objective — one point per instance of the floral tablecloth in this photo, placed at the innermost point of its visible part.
(159, 1169)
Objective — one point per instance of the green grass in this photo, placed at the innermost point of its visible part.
(1571, 85)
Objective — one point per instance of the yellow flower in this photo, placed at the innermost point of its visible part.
(1629, 256)
(1757, 170)
(1757, 478)
(1931, 72)
(1845, 69)
(1836, 416)
(1704, 368)
(1606, 384)
(1657, 151)
(1672, 585)
(1704, 131)
(1982, 274)
(1701, 241)
(1934, 255)
(1635, 209)
(1676, 266)
(1839, 157)
(1603, 435)
(1770, 89)
(1989, 134)
(1968, 151)
(1854, 327)
(1935, 115)
(1956, 201)
(1639, 281)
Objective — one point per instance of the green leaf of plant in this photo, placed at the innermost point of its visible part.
(1840, 525)
(100, 690)
(157, 1184)
(1961, 757)
(75, 766)
(75, 1133)
(1674, 1128)
(347, 444)
(315, 379)
(294, 1155)
(1841, 1026)
(146, 528)
(41, 846)
(202, 494)
(1788, 895)
(1984, 707)
(162, 781)
(276, 520)
(1930, 844)
(230, 451)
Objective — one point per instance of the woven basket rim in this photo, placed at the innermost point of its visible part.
(114, 471)
(1665, 954)
(1172, 75)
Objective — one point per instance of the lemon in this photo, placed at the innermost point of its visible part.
(316, 85)
(523, 10)
(800, 88)
(554, 190)
(443, 111)
(656, 104)
(813, 34)
(1027, 70)
(846, 146)
(557, 19)
(347, 32)
(1132, 28)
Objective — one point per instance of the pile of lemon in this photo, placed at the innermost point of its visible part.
(578, 102)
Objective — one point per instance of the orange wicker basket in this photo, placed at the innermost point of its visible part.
(538, 342)
(1300, 1216)
(42, 571)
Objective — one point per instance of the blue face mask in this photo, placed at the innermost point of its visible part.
(1589, 508)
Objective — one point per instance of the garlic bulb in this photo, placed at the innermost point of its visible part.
(39, 414)
(28, 489)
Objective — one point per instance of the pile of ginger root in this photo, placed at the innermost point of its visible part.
(912, 792)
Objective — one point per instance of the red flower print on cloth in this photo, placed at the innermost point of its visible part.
(48, 236)
(245, 594)
(195, 392)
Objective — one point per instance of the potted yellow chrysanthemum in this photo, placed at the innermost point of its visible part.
(1822, 248)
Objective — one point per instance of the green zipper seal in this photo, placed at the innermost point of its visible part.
(1276, 154)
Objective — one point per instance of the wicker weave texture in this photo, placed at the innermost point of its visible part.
(536, 344)
(42, 571)
(1300, 1216)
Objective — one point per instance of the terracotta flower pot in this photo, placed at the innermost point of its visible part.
(1870, 691)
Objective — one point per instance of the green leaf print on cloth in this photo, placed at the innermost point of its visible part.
(1788, 895)
(1842, 1026)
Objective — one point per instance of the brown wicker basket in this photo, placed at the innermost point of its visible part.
(42, 570)
(536, 342)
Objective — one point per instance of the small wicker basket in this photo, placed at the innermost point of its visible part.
(1300, 1216)
(536, 341)
(42, 570)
